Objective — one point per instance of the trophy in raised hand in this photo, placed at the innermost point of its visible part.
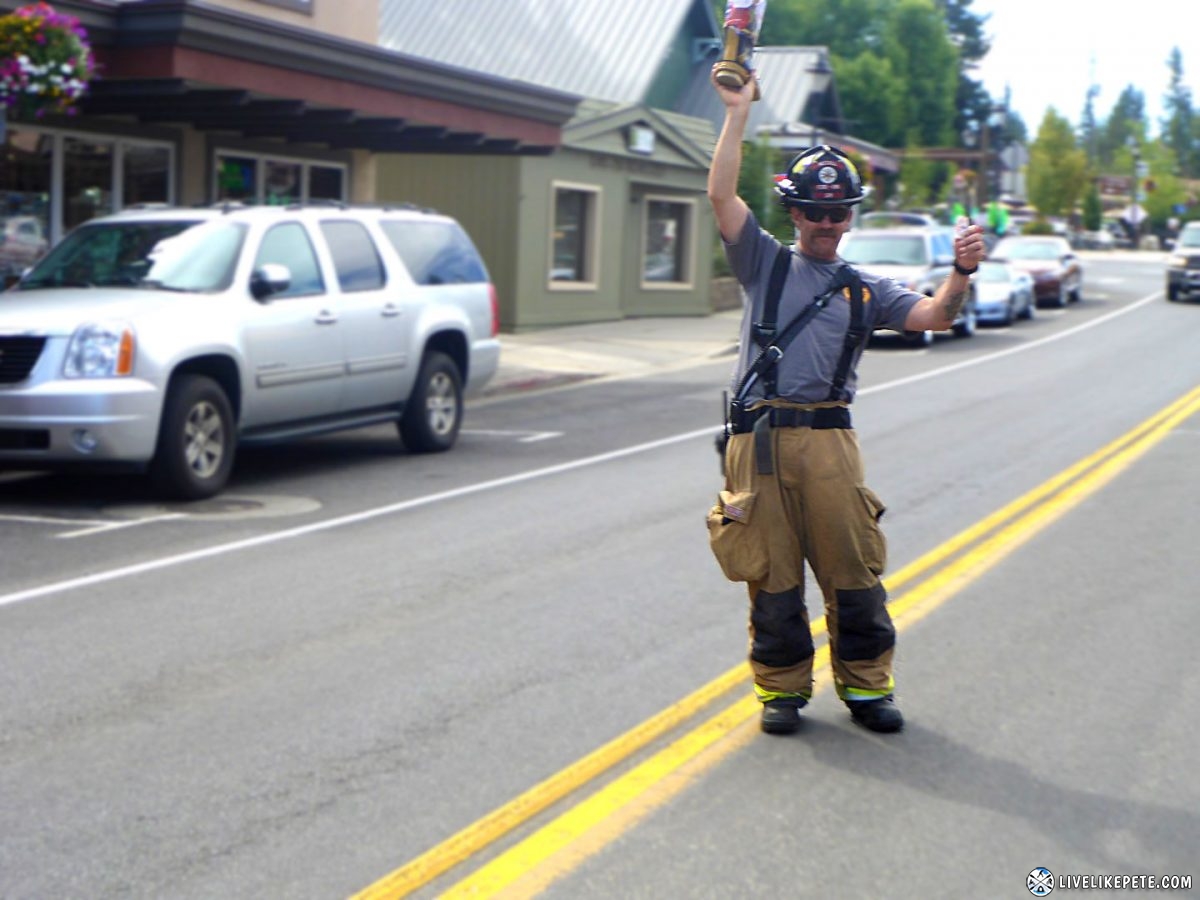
(743, 22)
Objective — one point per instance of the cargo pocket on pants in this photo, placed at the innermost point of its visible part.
(739, 547)
(871, 539)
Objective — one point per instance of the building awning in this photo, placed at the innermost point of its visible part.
(181, 61)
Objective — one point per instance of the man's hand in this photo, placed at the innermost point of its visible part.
(969, 248)
(736, 98)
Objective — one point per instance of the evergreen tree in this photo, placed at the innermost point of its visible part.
(1126, 121)
(1180, 128)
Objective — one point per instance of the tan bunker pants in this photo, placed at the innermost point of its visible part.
(813, 507)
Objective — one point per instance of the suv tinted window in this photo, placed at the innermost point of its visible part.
(354, 256)
(435, 252)
(288, 245)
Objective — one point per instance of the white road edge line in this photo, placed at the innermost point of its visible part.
(165, 562)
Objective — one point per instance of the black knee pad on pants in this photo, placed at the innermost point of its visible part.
(864, 628)
(781, 634)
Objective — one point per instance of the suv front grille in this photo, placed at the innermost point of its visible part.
(17, 357)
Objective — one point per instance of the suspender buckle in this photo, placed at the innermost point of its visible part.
(763, 332)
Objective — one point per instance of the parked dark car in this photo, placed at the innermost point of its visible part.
(1183, 265)
(1056, 270)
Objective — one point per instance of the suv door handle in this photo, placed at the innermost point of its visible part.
(325, 317)
(390, 310)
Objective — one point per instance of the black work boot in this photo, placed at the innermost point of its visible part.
(782, 716)
(877, 715)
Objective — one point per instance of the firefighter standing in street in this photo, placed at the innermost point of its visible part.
(794, 489)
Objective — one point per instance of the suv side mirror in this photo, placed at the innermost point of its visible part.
(268, 279)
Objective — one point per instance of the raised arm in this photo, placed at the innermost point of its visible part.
(730, 209)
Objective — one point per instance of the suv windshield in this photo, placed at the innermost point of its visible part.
(179, 255)
(884, 250)
(1190, 237)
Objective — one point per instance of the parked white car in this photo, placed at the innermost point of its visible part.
(160, 339)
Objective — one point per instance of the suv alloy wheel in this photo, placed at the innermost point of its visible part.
(196, 440)
(434, 413)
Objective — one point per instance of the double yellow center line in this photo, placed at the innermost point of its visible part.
(584, 828)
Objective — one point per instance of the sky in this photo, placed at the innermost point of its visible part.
(1049, 51)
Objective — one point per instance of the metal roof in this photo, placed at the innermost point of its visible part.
(605, 49)
(789, 76)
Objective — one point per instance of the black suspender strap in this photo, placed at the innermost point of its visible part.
(856, 335)
(764, 329)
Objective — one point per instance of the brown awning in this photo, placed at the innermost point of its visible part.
(178, 61)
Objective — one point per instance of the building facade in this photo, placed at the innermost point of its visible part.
(253, 101)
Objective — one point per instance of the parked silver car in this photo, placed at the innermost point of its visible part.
(160, 339)
(919, 258)
(1003, 293)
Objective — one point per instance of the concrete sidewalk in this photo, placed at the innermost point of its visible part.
(552, 357)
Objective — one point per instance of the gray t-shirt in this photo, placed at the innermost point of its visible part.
(805, 373)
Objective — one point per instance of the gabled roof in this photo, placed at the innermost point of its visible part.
(690, 139)
(605, 49)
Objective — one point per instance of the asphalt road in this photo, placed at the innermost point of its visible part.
(309, 696)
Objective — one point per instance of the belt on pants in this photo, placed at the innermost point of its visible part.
(783, 417)
(826, 417)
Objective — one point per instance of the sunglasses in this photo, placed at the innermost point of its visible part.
(835, 214)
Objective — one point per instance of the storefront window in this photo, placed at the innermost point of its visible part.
(24, 200)
(663, 257)
(99, 176)
(275, 182)
(87, 180)
(146, 175)
(237, 178)
(574, 235)
(282, 184)
(325, 183)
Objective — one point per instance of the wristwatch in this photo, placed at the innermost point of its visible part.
(961, 271)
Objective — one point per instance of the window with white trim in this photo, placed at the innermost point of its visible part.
(667, 241)
(576, 236)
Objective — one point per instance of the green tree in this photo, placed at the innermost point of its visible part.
(917, 43)
(1180, 128)
(918, 177)
(1126, 121)
(874, 94)
(1057, 172)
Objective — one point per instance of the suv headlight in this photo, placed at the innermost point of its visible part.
(1177, 262)
(100, 350)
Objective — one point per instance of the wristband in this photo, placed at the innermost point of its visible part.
(961, 271)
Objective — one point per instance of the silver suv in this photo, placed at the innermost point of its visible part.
(919, 258)
(160, 339)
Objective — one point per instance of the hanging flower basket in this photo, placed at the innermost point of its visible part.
(45, 62)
